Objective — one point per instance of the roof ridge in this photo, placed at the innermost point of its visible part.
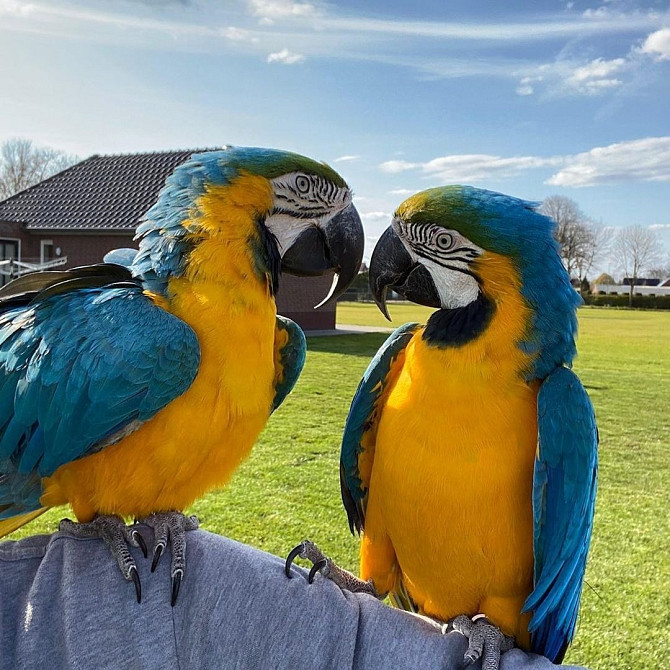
(159, 153)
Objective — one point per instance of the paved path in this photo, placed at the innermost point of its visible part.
(349, 329)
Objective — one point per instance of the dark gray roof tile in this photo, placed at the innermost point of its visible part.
(100, 193)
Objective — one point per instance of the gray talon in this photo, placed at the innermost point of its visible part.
(321, 563)
(113, 531)
(317, 567)
(485, 641)
(171, 527)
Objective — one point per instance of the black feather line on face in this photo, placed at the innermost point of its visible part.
(455, 327)
(271, 255)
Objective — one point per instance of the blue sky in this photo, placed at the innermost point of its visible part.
(531, 99)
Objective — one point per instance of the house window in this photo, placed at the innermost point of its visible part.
(46, 251)
(9, 251)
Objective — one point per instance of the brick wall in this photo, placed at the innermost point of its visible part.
(298, 295)
(80, 249)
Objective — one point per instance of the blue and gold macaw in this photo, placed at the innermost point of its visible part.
(469, 453)
(131, 392)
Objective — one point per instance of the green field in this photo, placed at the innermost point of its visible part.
(289, 488)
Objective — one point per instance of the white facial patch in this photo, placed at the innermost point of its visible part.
(456, 289)
(446, 254)
(309, 195)
(303, 201)
(287, 228)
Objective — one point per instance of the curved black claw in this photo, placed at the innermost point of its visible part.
(171, 528)
(292, 555)
(317, 567)
(328, 568)
(158, 552)
(113, 531)
(136, 580)
(140, 542)
(176, 584)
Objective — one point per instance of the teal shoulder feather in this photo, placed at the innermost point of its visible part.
(78, 369)
(362, 414)
(564, 490)
(291, 359)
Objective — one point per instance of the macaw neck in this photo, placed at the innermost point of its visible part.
(457, 326)
(222, 277)
(491, 329)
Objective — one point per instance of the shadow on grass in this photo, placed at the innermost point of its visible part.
(365, 344)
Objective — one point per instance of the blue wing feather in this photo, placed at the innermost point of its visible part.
(75, 369)
(361, 415)
(291, 359)
(564, 489)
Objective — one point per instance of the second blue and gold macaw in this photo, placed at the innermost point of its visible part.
(469, 453)
(131, 392)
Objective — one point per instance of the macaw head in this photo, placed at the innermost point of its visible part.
(284, 210)
(459, 248)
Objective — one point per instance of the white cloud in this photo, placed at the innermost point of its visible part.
(401, 191)
(565, 77)
(238, 35)
(285, 57)
(270, 10)
(647, 159)
(395, 166)
(375, 216)
(471, 167)
(597, 69)
(346, 159)
(597, 13)
(658, 44)
(660, 226)
(15, 8)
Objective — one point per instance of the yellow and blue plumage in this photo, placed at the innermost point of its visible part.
(132, 391)
(469, 453)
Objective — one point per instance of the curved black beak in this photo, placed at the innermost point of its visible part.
(391, 267)
(337, 246)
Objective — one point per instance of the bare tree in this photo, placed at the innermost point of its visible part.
(582, 240)
(661, 271)
(635, 249)
(23, 164)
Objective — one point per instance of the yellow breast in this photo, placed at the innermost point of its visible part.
(451, 483)
(196, 442)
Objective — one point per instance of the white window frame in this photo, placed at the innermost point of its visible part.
(43, 243)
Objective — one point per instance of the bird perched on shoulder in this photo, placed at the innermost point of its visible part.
(131, 392)
(469, 453)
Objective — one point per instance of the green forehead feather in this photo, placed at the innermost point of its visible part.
(272, 163)
(444, 206)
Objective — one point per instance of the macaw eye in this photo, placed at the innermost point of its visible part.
(444, 241)
(302, 183)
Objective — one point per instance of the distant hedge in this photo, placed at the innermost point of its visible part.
(639, 301)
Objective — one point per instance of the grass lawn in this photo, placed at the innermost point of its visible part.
(289, 487)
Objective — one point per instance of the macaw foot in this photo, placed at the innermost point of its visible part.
(113, 531)
(171, 527)
(321, 563)
(485, 640)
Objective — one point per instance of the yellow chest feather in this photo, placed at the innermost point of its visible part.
(451, 483)
(196, 441)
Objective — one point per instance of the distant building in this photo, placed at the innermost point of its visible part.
(641, 281)
(78, 215)
(643, 286)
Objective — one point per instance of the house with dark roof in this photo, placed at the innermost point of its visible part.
(76, 216)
